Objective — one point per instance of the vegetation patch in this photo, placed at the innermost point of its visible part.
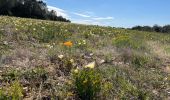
(87, 83)
(53, 62)
(125, 41)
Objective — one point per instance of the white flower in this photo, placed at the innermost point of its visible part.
(51, 47)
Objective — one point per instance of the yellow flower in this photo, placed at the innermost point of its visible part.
(72, 60)
(60, 56)
(69, 82)
(70, 94)
(68, 44)
(76, 71)
(85, 81)
(90, 65)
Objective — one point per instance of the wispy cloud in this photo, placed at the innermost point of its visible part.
(103, 18)
(88, 18)
(60, 12)
(87, 22)
(82, 15)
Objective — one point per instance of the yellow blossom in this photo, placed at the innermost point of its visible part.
(72, 60)
(85, 81)
(70, 94)
(60, 56)
(90, 65)
(76, 71)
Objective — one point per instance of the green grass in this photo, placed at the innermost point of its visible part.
(131, 63)
(167, 49)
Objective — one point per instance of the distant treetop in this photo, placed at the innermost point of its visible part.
(29, 9)
(155, 28)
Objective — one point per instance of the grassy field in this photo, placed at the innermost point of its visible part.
(52, 60)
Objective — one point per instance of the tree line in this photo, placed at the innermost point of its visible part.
(29, 9)
(155, 28)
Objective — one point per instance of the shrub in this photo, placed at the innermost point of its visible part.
(11, 75)
(125, 41)
(16, 91)
(139, 60)
(36, 75)
(87, 83)
(2, 95)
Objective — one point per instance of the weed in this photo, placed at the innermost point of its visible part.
(11, 75)
(139, 60)
(15, 91)
(125, 41)
(167, 49)
(3, 96)
(87, 83)
(36, 74)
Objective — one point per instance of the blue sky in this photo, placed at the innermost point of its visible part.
(118, 13)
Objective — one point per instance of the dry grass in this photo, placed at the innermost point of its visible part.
(32, 53)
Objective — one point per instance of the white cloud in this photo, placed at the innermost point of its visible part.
(87, 22)
(87, 18)
(103, 18)
(82, 15)
(60, 12)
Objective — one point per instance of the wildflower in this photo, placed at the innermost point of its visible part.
(60, 56)
(72, 60)
(51, 47)
(79, 43)
(69, 82)
(90, 65)
(70, 94)
(84, 42)
(85, 81)
(76, 71)
(48, 45)
(68, 44)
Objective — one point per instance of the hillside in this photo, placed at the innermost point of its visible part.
(46, 60)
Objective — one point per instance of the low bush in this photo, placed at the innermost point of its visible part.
(125, 41)
(14, 92)
(87, 83)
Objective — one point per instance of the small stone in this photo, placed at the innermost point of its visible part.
(155, 92)
(91, 54)
(25, 89)
(5, 43)
(60, 56)
(102, 61)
